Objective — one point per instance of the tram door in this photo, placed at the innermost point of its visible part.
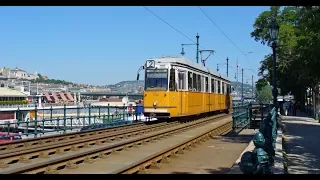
(182, 92)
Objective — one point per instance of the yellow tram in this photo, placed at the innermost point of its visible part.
(177, 87)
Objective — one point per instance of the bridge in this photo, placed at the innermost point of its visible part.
(108, 94)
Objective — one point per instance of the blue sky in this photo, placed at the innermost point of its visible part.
(105, 45)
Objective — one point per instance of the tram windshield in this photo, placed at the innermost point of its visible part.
(156, 80)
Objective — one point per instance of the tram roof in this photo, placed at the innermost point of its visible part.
(183, 60)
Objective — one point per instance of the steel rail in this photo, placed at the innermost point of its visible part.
(16, 156)
(155, 160)
(61, 137)
(73, 160)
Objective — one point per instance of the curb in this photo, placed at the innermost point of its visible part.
(235, 169)
(280, 162)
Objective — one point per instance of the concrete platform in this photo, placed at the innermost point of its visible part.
(215, 156)
(248, 132)
(301, 144)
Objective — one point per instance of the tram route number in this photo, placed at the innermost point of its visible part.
(150, 64)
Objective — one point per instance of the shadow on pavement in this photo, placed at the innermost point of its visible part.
(301, 145)
(235, 138)
(221, 170)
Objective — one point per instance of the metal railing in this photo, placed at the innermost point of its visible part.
(107, 116)
(241, 116)
(261, 159)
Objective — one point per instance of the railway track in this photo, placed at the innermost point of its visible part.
(155, 160)
(28, 154)
(72, 156)
(16, 146)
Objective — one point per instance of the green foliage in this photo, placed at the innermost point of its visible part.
(17, 102)
(297, 48)
(265, 94)
(50, 81)
(260, 84)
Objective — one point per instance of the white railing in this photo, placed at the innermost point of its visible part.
(33, 105)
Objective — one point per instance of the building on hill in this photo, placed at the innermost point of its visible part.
(17, 73)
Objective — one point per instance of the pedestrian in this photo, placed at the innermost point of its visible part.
(290, 107)
(294, 109)
(285, 108)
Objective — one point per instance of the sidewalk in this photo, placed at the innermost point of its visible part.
(301, 144)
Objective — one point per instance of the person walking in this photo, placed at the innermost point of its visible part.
(290, 107)
(294, 109)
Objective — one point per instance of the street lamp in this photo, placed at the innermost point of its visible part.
(273, 32)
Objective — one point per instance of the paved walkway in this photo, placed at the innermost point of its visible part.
(301, 144)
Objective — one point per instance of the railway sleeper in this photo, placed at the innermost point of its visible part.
(173, 153)
(71, 165)
(50, 170)
(55, 139)
(155, 165)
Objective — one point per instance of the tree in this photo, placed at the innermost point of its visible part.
(264, 96)
(260, 84)
(298, 52)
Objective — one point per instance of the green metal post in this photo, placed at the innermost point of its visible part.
(64, 118)
(242, 87)
(104, 119)
(89, 109)
(108, 112)
(64, 125)
(43, 126)
(8, 123)
(51, 112)
(123, 111)
(94, 119)
(99, 112)
(78, 109)
(35, 120)
(197, 47)
(18, 114)
(71, 122)
(27, 128)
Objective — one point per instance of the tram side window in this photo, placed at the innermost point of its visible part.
(194, 80)
(172, 84)
(228, 91)
(206, 84)
(199, 83)
(190, 81)
(223, 90)
(202, 84)
(219, 87)
(212, 86)
(182, 80)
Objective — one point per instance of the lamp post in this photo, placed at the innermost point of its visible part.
(273, 32)
(242, 85)
(227, 67)
(247, 80)
(252, 88)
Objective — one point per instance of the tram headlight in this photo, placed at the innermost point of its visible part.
(155, 103)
